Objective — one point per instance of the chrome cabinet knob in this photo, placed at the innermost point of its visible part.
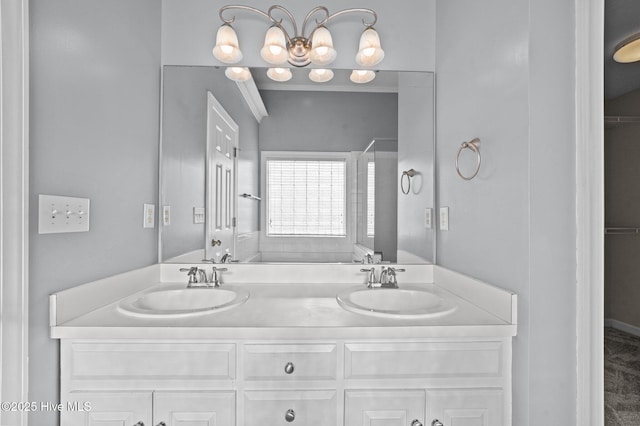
(289, 368)
(215, 242)
(436, 422)
(416, 422)
(290, 415)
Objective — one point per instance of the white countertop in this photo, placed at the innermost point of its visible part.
(284, 311)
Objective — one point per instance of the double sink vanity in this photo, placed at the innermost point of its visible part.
(277, 344)
(282, 344)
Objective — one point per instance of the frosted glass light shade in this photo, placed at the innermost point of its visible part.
(628, 51)
(274, 50)
(238, 73)
(322, 51)
(279, 74)
(370, 52)
(362, 76)
(227, 49)
(320, 75)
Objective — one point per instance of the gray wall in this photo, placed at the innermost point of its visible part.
(504, 75)
(326, 121)
(416, 151)
(94, 119)
(622, 209)
(183, 153)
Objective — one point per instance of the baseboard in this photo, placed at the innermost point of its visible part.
(622, 326)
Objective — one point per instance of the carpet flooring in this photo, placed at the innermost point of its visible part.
(621, 378)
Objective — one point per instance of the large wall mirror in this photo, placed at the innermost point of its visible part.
(296, 171)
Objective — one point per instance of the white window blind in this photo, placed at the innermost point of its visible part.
(371, 198)
(306, 197)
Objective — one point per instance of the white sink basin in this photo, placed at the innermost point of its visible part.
(407, 302)
(183, 302)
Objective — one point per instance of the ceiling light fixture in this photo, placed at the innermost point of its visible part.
(628, 50)
(300, 49)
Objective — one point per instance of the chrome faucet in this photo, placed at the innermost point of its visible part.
(226, 258)
(369, 258)
(196, 276)
(388, 278)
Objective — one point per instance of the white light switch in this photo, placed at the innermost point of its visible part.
(444, 218)
(166, 215)
(149, 216)
(57, 214)
(428, 218)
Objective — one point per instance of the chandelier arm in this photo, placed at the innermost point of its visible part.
(318, 23)
(345, 11)
(279, 22)
(241, 7)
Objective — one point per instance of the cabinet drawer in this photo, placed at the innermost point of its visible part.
(166, 361)
(290, 362)
(299, 407)
(423, 360)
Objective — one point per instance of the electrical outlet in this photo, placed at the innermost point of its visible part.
(198, 215)
(444, 218)
(149, 216)
(166, 215)
(428, 218)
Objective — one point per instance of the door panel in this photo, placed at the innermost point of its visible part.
(384, 407)
(108, 409)
(463, 407)
(221, 193)
(194, 408)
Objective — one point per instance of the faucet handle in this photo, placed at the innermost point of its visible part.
(392, 280)
(214, 275)
(372, 276)
(191, 273)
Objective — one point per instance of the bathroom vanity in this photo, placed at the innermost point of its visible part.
(287, 354)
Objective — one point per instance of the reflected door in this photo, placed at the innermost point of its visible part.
(222, 144)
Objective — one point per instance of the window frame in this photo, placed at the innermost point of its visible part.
(346, 157)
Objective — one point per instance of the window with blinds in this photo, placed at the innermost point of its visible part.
(306, 197)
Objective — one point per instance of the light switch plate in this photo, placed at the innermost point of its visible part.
(444, 218)
(59, 214)
(149, 216)
(428, 218)
(166, 215)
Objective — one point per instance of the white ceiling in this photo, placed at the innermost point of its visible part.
(622, 19)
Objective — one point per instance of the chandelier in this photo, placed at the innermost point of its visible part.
(298, 48)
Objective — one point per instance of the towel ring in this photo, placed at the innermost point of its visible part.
(409, 174)
(474, 146)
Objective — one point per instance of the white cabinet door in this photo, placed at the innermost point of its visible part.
(107, 409)
(206, 408)
(384, 407)
(461, 407)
